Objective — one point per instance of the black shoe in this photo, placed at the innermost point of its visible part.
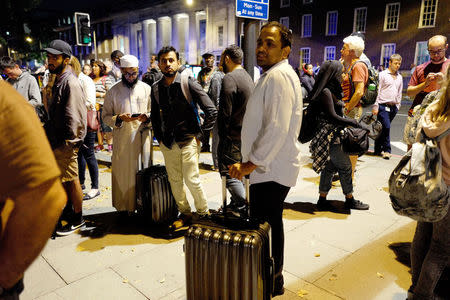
(278, 292)
(70, 227)
(355, 204)
(324, 205)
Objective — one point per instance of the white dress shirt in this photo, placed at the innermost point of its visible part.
(271, 126)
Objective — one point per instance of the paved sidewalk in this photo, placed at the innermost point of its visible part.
(345, 255)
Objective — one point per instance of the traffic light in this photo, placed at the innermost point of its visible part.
(83, 29)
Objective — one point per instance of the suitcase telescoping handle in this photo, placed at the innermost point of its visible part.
(247, 193)
(145, 128)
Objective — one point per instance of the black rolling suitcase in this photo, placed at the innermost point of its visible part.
(228, 258)
(154, 199)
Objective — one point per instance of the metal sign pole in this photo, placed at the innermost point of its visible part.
(95, 45)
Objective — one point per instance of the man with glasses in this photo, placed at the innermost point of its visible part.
(427, 76)
(126, 109)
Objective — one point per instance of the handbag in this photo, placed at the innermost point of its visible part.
(92, 120)
(354, 141)
(416, 187)
(374, 125)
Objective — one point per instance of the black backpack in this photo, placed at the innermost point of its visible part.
(310, 122)
(371, 90)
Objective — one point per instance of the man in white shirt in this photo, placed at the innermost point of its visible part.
(388, 102)
(270, 149)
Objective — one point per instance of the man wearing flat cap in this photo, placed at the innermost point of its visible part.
(127, 110)
(66, 129)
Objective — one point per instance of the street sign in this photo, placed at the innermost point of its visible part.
(253, 9)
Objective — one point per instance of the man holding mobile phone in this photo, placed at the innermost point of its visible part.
(427, 76)
(127, 110)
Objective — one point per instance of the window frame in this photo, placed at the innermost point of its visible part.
(416, 52)
(309, 55)
(288, 4)
(422, 8)
(325, 52)
(303, 26)
(386, 16)
(327, 33)
(284, 18)
(382, 52)
(355, 14)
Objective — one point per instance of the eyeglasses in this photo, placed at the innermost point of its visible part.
(130, 74)
(435, 52)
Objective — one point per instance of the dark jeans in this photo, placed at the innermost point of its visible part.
(340, 162)
(266, 203)
(383, 142)
(430, 255)
(205, 138)
(87, 155)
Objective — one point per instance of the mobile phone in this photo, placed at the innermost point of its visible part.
(135, 115)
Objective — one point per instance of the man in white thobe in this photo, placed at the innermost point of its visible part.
(127, 111)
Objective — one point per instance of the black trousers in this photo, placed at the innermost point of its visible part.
(266, 203)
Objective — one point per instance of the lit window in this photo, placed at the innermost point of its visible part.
(391, 16)
(386, 51)
(329, 53)
(306, 25)
(307, 1)
(285, 3)
(305, 56)
(332, 20)
(421, 54)
(220, 36)
(285, 21)
(428, 13)
(359, 19)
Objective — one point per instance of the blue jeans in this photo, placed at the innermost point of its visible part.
(237, 191)
(340, 162)
(383, 143)
(86, 155)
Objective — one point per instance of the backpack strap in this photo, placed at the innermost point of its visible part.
(350, 77)
(185, 85)
(441, 136)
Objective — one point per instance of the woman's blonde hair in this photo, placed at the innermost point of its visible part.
(75, 64)
(442, 107)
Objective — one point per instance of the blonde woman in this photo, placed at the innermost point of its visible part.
(430, 251)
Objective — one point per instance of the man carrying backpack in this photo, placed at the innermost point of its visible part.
(388, 103)
(177, 128)
(354, 80)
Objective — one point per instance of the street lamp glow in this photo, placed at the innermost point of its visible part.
(189, 2)
(28, 39)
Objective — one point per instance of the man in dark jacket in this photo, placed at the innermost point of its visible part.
(210, 78)
(307, 80)
(177, 128)
(237, 86)
(66, 129)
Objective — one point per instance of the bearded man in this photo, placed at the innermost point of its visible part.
(127, 110)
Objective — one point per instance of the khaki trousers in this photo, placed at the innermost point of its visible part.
(182, 164)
